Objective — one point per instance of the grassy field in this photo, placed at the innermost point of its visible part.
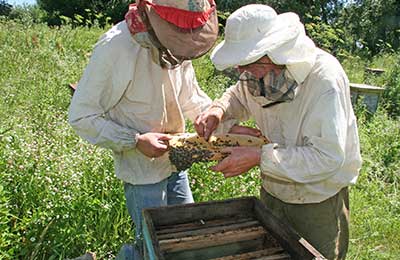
(59, 197)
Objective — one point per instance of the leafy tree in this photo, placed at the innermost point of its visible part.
(373, 24)
(5, 8)
(360, 26)
(318, 16)
(327, 10)
(85, 10)
(327, 36)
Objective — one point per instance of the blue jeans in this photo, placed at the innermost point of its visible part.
(173, 190)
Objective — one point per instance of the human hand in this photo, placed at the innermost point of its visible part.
(153, 144)
(208, 121)
(240, 160)
(245, 130)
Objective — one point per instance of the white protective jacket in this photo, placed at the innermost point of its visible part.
(123, 92)
(315, 148)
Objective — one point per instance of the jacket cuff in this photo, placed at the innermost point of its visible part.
(268, 161)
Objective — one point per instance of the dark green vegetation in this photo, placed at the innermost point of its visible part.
(362, 27)
(83, 11)
(59, 196)
(367, 27)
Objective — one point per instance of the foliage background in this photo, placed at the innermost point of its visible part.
(88, 10)
(362, 26)
(58, 195)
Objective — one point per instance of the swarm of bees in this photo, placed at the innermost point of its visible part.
(188, 148)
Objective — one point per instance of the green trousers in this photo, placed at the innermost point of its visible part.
(324, 225)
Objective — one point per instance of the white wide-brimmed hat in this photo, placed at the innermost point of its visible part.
(256, 30)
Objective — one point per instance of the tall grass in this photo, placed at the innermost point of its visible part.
(59, 196)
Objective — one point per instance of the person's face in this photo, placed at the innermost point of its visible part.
(261, 67)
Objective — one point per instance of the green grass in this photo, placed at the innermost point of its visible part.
(58, 195)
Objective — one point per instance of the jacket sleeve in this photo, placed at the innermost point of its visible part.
(100, 88)
(323, 152)
(192, 99)
(233, 103)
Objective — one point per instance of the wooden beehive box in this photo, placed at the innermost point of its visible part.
(231, 229)
(370, 95)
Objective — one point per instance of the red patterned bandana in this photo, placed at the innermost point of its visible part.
(134, 21)
(185, 14)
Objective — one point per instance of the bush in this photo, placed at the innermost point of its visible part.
(380, 146)
(391, 95)
(28, 14)
(318, 20)
(5, 8)
(232, 5)
(326, 36)
(86, 11)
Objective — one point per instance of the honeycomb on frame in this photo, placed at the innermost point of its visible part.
(189, 148)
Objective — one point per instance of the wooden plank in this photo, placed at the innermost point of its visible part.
(217, 251)
(252, 255)
(150, 238)
(220, 238)
(376, 71)
(285, 235)
(311, 249)
(72, 87)
(209, 230)
(177, 214)
(283, 256)
(364, 88)
(198, 224)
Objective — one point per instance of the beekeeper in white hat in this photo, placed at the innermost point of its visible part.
(299, 97)
(140, 85)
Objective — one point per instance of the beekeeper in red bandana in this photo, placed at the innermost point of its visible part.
(139, 86)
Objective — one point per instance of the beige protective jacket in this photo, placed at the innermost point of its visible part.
(315, 147)
(123, 92)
